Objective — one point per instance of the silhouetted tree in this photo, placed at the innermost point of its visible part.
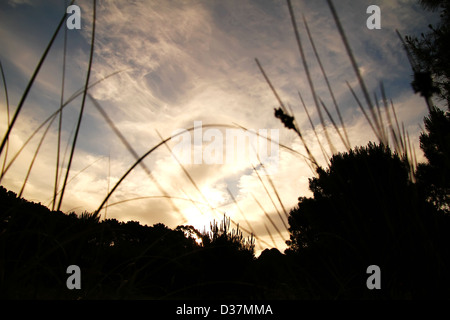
(365, 211)
(223, 236)
(430, 54)
(434, 176)
(224, 263)
(354, 193)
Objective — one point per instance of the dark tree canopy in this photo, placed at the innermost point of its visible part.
(430, 53)
(434, 176)
(362, 194)
(366, 210)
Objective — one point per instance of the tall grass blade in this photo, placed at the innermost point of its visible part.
(347, 140)
(74, 96)
(389, 119)
(188, 175)
(30, 83)
(402, 144)
(195, 202)
(382, 129)
(405, 142)
(283, 108)
(270, 197)
(34, 158)
(324, 153)
(280, 102)
(58, 146)
(242, 214)
(416, 69)
(130, 149)
(355, 68)
(7, 116)
(91, 55)
(109, 181)
(109, 205)
(410, 57)
(51, 118)
(279, 144)
(410, 159)
(270, 235)
(308, 75)
(66, 152)
(270, 220)
(415, 158)
(274, 190)
(249, 232)
(150, 152)
(78, 173)
(377, 134)
(334, 124)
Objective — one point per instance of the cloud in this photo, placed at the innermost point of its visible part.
(15, 3)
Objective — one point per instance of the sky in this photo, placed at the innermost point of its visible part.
(175, 64)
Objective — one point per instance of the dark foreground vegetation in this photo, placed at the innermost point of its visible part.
(370, 206)
(117, 259)
(365, 211)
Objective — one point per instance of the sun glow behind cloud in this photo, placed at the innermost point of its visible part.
(186, 61)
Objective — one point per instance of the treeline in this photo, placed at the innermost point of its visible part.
(123, 260)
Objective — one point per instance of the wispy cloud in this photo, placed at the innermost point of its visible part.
(15, 3)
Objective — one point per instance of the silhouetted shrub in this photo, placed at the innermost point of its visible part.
(365, 210)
